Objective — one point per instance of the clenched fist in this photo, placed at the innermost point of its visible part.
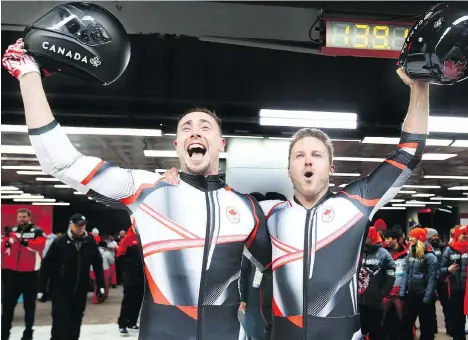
(17, 62)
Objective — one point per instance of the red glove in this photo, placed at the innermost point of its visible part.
(17, 62)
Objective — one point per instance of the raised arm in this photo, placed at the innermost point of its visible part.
(377, 189)
(100, 180)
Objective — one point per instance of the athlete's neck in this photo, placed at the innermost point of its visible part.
(309, 201)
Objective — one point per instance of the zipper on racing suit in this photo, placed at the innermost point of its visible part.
(306, 267)
(206, 249)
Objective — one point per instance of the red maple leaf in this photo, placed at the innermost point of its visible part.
(454, 70)
(327, 211)
(232, 212)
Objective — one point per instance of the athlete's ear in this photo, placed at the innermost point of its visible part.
(332, 170)
(175, 143)
(223, 145)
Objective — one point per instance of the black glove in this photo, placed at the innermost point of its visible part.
(24, 242)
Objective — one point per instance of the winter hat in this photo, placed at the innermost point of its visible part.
(380, 224)
(419, 233)
(431, 232)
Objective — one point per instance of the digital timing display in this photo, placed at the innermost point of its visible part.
(366, 35)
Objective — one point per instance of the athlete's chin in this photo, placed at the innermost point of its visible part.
(197, 167)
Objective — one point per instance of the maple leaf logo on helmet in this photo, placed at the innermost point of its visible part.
(454, 70)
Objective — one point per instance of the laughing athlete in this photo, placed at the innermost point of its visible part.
(192, 235)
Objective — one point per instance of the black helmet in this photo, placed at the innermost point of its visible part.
(436, 48)
(80, 39)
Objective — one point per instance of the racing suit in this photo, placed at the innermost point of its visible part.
(316, 299)
(192, 236)
(22, 248)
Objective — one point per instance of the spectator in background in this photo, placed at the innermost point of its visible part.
(380, 226)
(121, 236)
(95, 233)
(418, 286)
(393, 306)
(112, 248)
(129, 256)
(67, 265)
(22, 249)
(381, 270)
(454, 265)
(442, 286)
(107, 261)
(49, 239)
(118, 266)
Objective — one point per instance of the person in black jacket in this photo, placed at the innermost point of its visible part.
(418, 286)
(67, 265)
(381, 269)
(130, 259)
(454, 265)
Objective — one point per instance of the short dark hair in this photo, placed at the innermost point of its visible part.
(392, 234)
(24, 210)
(209, 112)
(315, 133)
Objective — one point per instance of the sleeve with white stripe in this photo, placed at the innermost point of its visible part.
(89, 175)
(384, 183)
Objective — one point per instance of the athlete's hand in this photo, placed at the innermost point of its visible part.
(17, 62)
(408, 81)
(172, 176)
(242, 307)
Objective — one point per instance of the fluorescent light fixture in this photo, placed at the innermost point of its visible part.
(47, 179)
(8, 188)
(331, 184)
(423, 195)
(449, 198)
(448, 124)
(393, 208)
(445, 177)
(465, 193)
(34, 200)
(19, 159)
(318, 119)
(407, 205)
(170, 153)
(22, 167)
(397, 200)
(438, 156)
(17, 149)
(51, 203)
(458, 188)
(445, 210)
(346, 174)
(31, 173)
(77, 193)
(396, 140)
(280, 138)
(12, 197)
(61, 186)
(240, 136)
(345, 140)
(342, 185)
(358, 159)
(406, 192)
(422, 202)
(421, 186)
(170, 134)
(79, 130)
(12, 192)
(460, 143)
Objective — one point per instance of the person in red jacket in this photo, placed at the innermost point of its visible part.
(22, 248)
(129, 255)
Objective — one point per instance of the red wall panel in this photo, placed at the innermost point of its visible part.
(41, 215)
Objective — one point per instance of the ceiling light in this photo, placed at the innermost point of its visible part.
(449, 198)
(22, 167)
(445, 210)
(407, 205)
(423, 195)
(8, 188)
(445, 177)
(460, 143)
(12, 197)
(78, 130)
(396, 200)
(458, 188)
(31, 173)
(358, 159)
(78, 193)
(280, 138)
(17, 149)
(345, 140)
(331, 184)
(438, 156)
(13, 192)
(396, 140)
(393, 208)
(465, 193)
(171, 153)
(318, 119)
(19, 159)
(421, 186)
(342, 185)
(346, 174)
(448, 124)
(51, 203)
(240, 136)
(421, 202)
(62, 186)
(34, 199)
(47, 179)
(406, 192)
